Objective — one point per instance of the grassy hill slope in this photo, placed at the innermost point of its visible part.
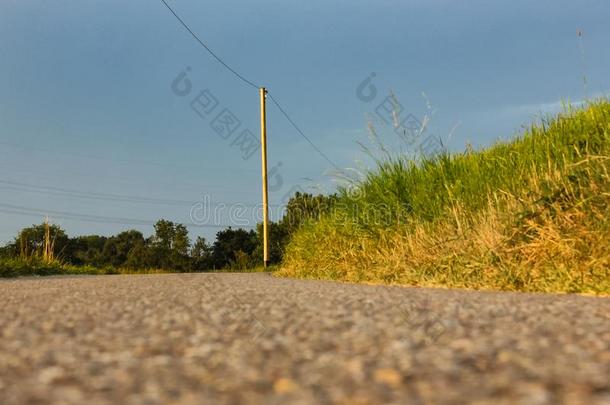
(529, 215)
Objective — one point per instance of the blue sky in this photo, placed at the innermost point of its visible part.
(88, 119)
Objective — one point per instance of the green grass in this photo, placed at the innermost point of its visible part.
(528, 215)
(10, 268)
(256, 269)
(19, 267)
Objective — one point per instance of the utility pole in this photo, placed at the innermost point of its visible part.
(47, 254)
(263, 95)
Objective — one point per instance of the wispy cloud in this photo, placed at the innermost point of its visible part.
(544, 108)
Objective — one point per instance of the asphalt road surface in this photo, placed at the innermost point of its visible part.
(253, 338)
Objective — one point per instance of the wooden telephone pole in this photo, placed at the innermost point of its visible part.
(263, 95)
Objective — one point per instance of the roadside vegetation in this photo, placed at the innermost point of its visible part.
(37, 267)
(46, 249)
(532, 214)
(528, 215)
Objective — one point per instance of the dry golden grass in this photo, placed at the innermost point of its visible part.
(550, 234)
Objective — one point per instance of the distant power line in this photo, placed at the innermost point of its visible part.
(94, 195)
(104, 177)
(114, 160)
(36, 212)
(71, 193)
(248, 82)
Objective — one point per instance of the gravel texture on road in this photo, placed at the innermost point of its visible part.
(253, 338)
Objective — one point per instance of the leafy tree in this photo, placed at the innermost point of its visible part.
(180, 249)
(278, 238)
(242, 261)
(139, 257)
(8, 251)
(117, 248)
(230, 241)
(181, 242)
(303, 207)
(85, 250)
(30, 241)
(201, 254)
(170, 246)
(165, 231)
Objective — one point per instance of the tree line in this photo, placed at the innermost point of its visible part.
(170, 246)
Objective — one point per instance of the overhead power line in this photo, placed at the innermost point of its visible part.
(291, 121)
(71, 193)
(250, 83)
(93, 195)
(104, 177)
(113, 160)
(207, 48)
(35, 212)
